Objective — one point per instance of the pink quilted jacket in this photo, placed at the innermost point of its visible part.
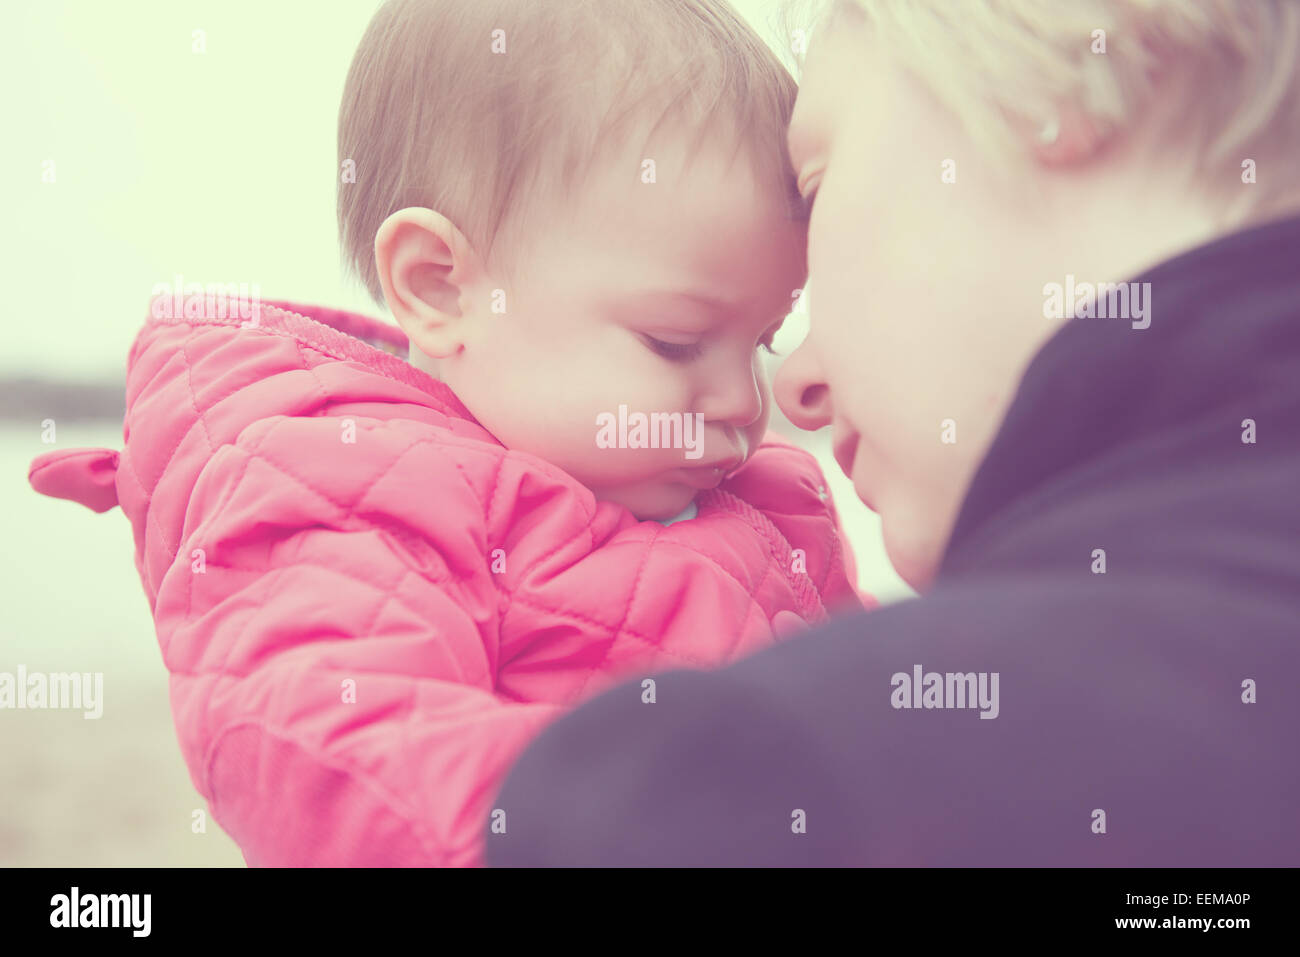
(368, 605)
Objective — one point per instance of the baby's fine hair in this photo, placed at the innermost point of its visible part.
(491, 111)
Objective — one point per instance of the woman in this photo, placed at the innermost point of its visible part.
(1056, 333)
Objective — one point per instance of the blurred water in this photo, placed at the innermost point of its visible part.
(78, 792)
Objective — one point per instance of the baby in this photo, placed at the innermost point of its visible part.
(598, 222)
(375, 579)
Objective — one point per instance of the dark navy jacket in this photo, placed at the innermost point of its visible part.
(1147, 715)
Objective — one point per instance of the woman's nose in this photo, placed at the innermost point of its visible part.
(801, 390)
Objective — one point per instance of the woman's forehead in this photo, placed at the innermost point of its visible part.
(837, 58)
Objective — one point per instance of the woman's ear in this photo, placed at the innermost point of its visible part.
(425, 266)
(1070, 138)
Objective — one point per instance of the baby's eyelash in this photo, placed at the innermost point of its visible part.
(676, 351)
(684, 352)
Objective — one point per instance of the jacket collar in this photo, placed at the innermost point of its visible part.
(351, 337)
(1222, 346)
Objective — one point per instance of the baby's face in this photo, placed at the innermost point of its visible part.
(655, 296)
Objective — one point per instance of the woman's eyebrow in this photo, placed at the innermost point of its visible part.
(796, 143)
(794, 137)
(802, 133)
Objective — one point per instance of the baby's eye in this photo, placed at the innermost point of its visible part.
(675, 351)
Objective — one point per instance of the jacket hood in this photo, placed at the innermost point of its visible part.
(374, 368)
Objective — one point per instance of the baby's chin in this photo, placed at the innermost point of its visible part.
(648, 501)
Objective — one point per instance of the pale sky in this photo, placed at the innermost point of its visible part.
(219, 166)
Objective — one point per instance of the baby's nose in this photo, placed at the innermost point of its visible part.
(736, 402)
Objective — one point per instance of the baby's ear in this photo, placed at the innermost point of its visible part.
(1070, 138)
(425, 267)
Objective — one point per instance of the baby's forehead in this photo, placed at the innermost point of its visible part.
(692, 175)
(557, 84)
(701, 219)
(701, 258)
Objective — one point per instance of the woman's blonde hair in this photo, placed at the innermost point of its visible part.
(490, 111)
(1006, 65)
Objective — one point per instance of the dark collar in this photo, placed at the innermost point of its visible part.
(1223, 345)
